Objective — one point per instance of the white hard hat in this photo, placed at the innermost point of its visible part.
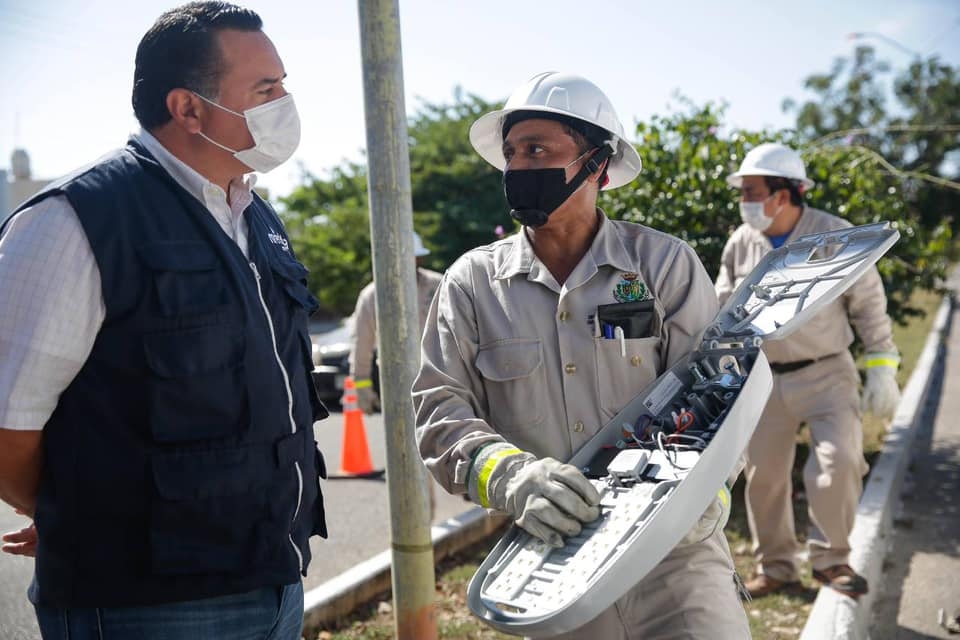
(566, 95)
(771, 159)
(418, 248)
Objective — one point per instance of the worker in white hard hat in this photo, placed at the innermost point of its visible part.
(815, 382)
(513, 379)
(363, 335)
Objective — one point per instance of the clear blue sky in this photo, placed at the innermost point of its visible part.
(68, 64)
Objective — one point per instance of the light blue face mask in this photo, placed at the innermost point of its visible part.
(275, 128)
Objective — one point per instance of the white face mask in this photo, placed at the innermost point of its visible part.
(752, 214)
(275, 128)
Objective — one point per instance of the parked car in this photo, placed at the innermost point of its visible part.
(330, 342)
(331, 359)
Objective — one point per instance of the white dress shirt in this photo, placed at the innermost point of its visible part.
(51, 300)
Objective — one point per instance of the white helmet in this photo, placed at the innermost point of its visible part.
(418, 248)
(564, 94)
(771, 159)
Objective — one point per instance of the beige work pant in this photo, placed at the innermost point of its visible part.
(690, 595)
(825, 396)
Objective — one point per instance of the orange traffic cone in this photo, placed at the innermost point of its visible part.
(355, 459)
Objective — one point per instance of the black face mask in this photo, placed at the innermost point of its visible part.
(533, 194)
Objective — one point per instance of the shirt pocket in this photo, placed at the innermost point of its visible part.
(621, 375)
(637, 319)
(513, 379)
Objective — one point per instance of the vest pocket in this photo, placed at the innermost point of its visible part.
(186, 277)
(319, 410)
(198, 390)
(219, 510)
(512, 373)
(293, 278)
(319, 527)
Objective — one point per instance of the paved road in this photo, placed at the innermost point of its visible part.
(923, 566)
(358, 519)
(358, 516)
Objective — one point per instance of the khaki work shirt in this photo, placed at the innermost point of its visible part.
(363, 333)
(864, 304)
(509, 354)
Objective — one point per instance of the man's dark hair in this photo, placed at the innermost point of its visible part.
(775, 183)
(181, 51)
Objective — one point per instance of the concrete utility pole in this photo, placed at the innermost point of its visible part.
(391, 220)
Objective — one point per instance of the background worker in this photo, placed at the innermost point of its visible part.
(156, 408)
(815, 382)
(512, 379)
(363, 333)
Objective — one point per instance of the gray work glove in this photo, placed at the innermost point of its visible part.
(548, 499)
(368, 400)
(715, 517)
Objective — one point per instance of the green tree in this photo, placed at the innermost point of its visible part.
(860, 189)
(457, 197)
(908, 124)
(682, 190)
(328, 225)
(457, 203)
(850, 96)
(900, 132)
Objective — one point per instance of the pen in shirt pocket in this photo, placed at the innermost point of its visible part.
(610, 331)
(602, 329)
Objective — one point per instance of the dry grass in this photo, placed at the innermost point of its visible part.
(775, 617)
(454, 619)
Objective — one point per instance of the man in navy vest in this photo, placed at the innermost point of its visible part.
(156, 408)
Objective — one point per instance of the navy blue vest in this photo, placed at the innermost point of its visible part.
(180, 462)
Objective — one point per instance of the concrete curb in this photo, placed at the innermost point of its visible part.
(341, 595)
(836, 616)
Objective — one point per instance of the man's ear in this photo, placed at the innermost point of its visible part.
(185, 109)
(783, 197)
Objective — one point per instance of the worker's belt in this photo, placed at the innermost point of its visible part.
(796, 365)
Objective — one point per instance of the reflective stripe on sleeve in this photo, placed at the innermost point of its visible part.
(724, 495)
(487, 469)
(891, 360)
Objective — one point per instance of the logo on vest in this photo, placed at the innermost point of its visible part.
(279, 240)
